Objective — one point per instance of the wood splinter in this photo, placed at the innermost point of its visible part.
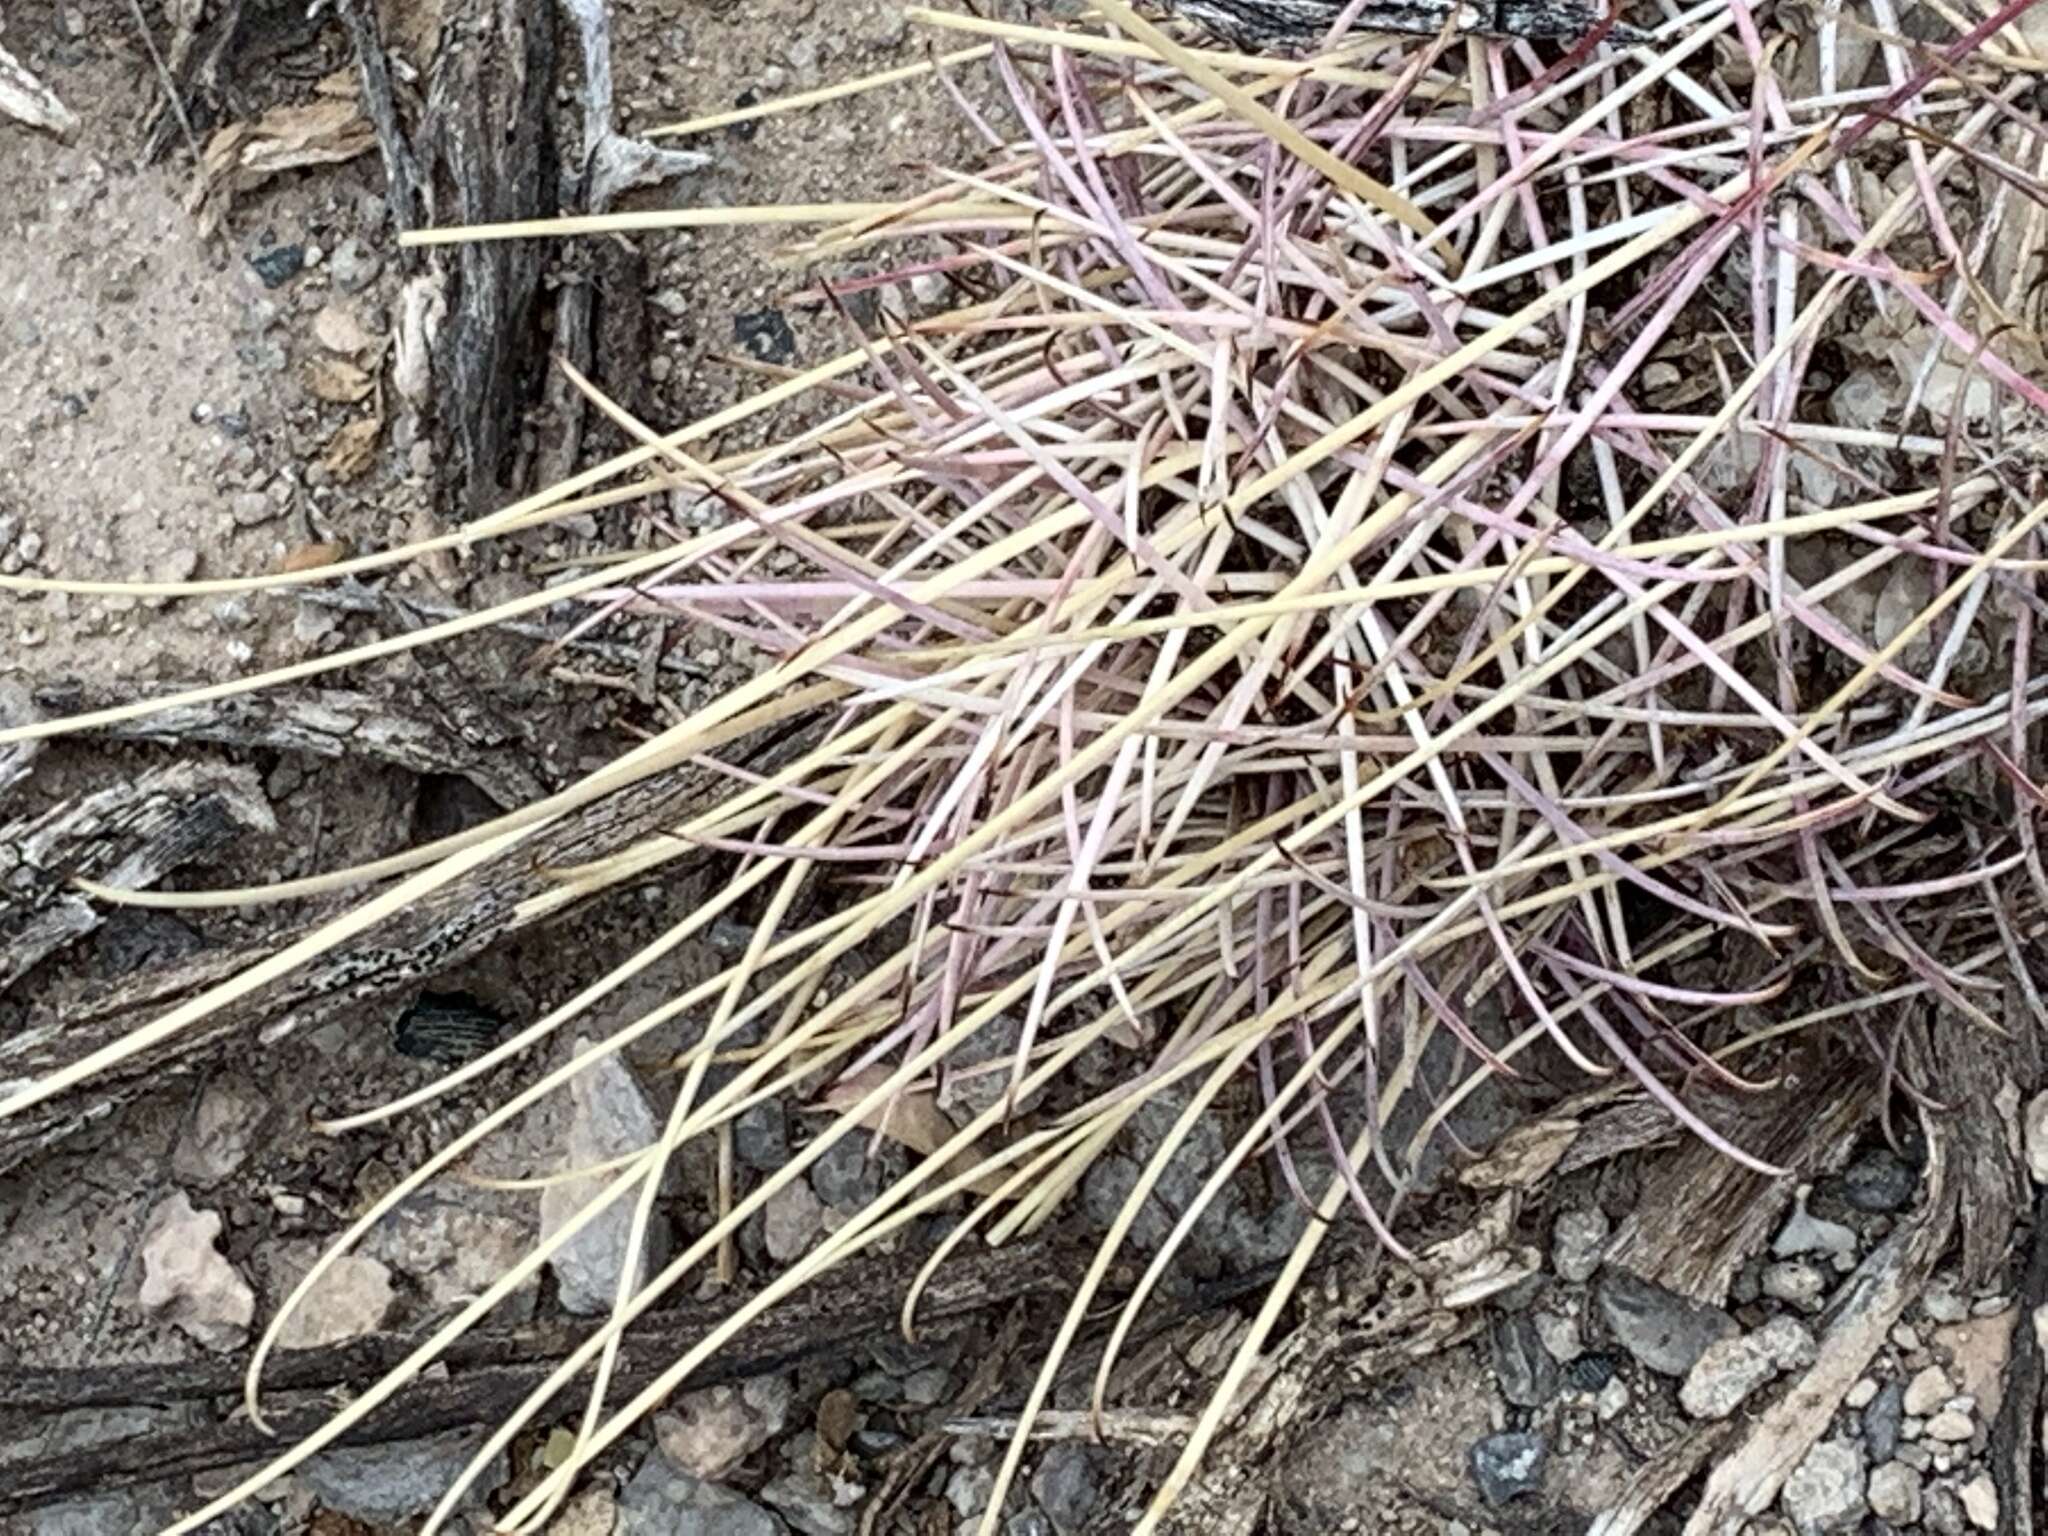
(1254, 24)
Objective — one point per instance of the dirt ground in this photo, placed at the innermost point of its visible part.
(168, 408)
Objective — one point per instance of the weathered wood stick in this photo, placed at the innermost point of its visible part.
(129, 834)
(490, 1371)
(1273, 23)
(458, 921)
(320, 722)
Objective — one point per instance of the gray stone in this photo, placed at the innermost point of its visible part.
(791, 1221)
(810, 1506)
(1980, 1501)
(132, 1512)
(1729, 1370)
(349, 1300)
(354, 265)
(1942, 1511)
(1883, 1417)
(384, 1484)
(968, 1490)
(1508, 1466)
(1065, 1486)
(608, 1117)
(926, 1388)
(1895, 1494)
(1951, 1426)
(1880, 1183)
(1560, 1335)
(1577, 1241)
(1944, 1300)
(223, 1127)
(251, 508)
(1527, 1373)
(709, 1432)
(843, 1176)
(1825, 1492)
(662, 1500)
(1807, 1233)
(454, 1250)
(1662, 1329)
(760, 1136)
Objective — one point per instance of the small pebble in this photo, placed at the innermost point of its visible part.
(1507, 1466)
(1796, 1282)
(1980, 1501)
(1928, 1391)
(1880, 1184)
(1577, 1242)
(279, 265)
(1894, 1494)
(1859, 1396)
(1950, 1425)
(1944, 1301)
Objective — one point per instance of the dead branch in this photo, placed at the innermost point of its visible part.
(463, 918)
(489, 1372)
(332, 723)
(1702, 1214)
(128, 835)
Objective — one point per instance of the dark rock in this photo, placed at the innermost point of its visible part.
(1882, 1416)
(279, 265)
(133, 1512)
(1660, 1328)
(1528, 1375)
(1508, 1466)
(1590, 1372)
(446, 1027)
(1065, 1486)
(1880, 1183)
(843, 1176)
(760, 1136)
(766, 335)
(384, 1484)
(663, 1500)
(745, 132)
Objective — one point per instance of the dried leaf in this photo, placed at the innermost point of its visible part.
(349, 452)
(310, 557)
(1523, 1157)
(338, 381)
(325, 131)
(912, 1118)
